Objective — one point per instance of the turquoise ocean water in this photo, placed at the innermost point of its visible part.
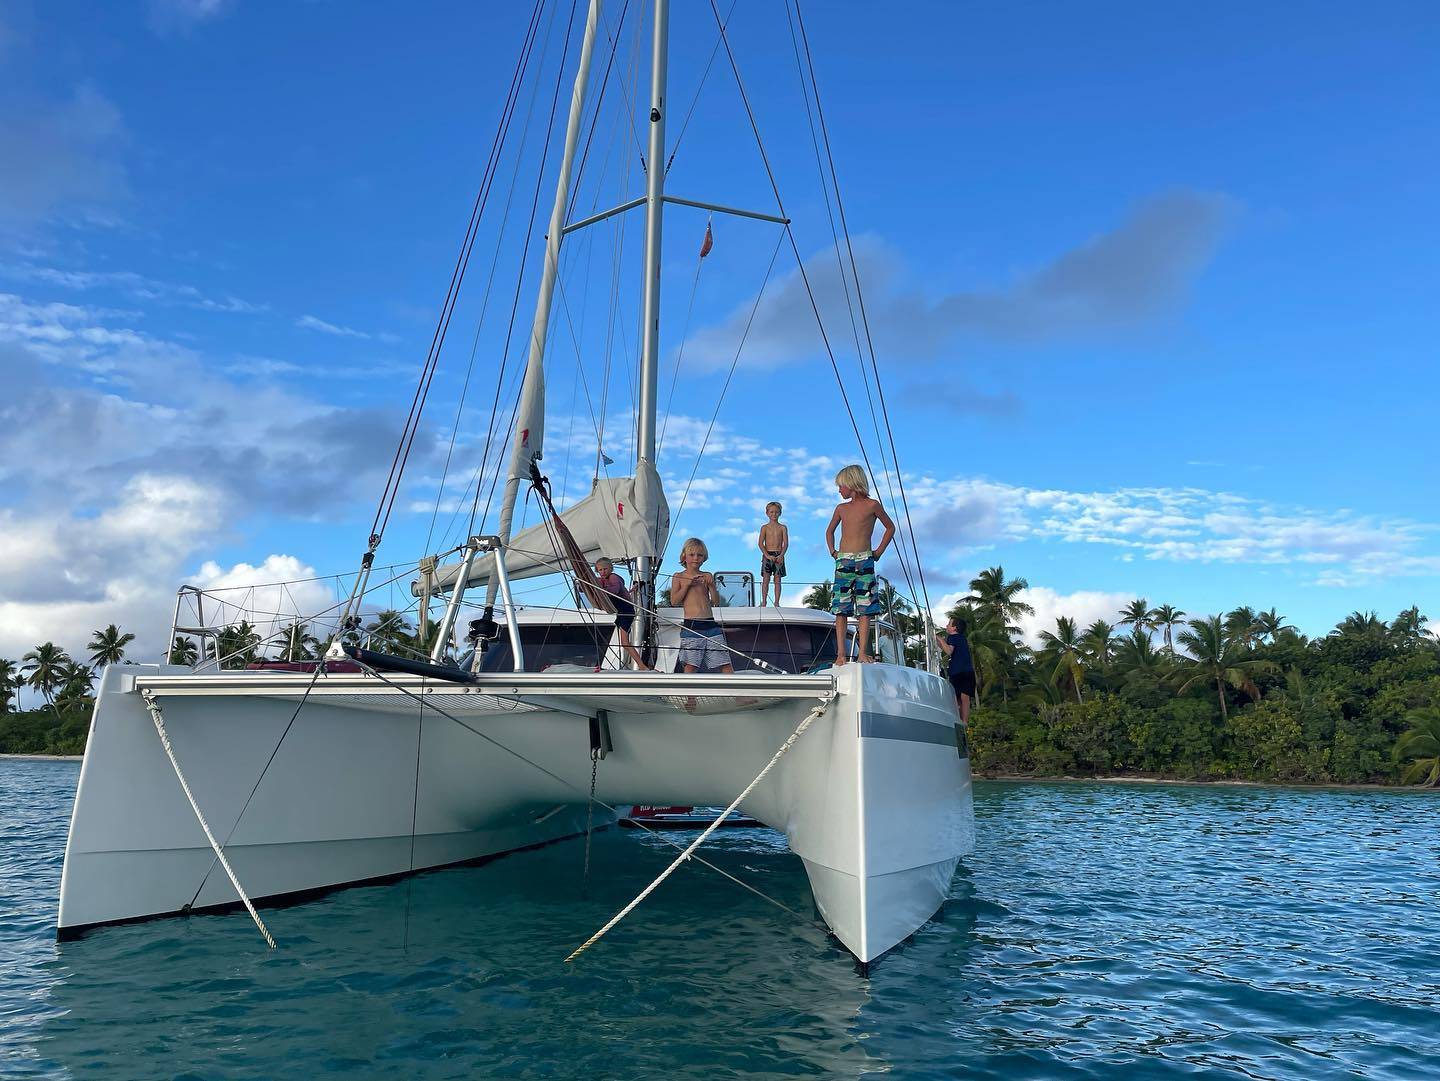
(1100, 930)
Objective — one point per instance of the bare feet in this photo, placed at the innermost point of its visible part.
(840, 662)
(863, 659)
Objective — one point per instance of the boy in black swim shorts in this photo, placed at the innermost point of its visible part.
(620, 597)
(962, 665)
(774, 542)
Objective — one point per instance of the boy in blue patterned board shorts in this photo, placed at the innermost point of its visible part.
(702, 639)
(854, 589)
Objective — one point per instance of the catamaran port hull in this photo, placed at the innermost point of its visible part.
(378, 778)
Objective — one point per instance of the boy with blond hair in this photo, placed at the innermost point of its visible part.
(624, 605)
(854, 589)
(774, 543)
(702, 639)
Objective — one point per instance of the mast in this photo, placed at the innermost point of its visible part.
(530, 417)
(650, 348)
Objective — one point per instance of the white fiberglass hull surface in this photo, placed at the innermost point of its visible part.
(874, 797)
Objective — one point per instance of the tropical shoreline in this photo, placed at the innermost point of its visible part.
(1217, 782)
(42, 757)
(1025, 778)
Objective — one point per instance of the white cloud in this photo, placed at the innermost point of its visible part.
(310, 322)
(270, 594)
(1084, 606)
(124, 456)
(64, 574)
(169, 16)
(958, 517)
(1183, 525)
(131, 284)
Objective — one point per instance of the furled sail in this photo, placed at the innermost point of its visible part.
(623, 518)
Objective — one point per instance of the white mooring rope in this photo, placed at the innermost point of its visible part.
(813, 715)
(155, 716)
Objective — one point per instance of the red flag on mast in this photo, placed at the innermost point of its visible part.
(709, 242)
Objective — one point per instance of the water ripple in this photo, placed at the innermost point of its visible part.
(1167, 931)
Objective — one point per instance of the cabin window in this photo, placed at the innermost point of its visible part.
(790, 648)
(736, 589)
(550, 644)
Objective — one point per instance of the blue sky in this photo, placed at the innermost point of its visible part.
(1151, 288)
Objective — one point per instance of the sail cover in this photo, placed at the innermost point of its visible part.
(622, 518)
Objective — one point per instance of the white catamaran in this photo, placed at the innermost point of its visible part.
(205, 787)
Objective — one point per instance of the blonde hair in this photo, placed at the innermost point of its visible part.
(853, 477)
(607, 563)
(694, 544)
(778, 508)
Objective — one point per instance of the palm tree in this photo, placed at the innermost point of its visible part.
(1137, 614)
(993, 649)
(1216, 656)
(1360, 625)
(10, 682)
(1098, 643)
(75, 686)
(1421, 747)
(821, 596)
(994, 593)
(1270, 624)
(43, 667)
(296, 642)
(1062, 654)
(183, 651)
(235, 645)
(1048, 700)
(1242, 625)
(1136, 656)
(1167, 617)
(108, 646)
(389, 631)
(1408, 627)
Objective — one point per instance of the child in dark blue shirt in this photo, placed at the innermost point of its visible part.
(962, 666)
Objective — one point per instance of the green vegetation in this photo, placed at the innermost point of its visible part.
(63, 723)
(1239, 696)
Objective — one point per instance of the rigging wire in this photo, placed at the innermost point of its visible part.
(529, 234)
(595, 115)
(422, 391)
(789, 232)
(567, 784)
(864, 317)
(825, 184)
(684, 339)
(478, 475)
(490, 427)
(675, 518)
(485, 300)
(804, 275)
(690, 112)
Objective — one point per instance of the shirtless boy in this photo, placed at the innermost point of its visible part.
(702, 639)
(854, 589)
(774, 543)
